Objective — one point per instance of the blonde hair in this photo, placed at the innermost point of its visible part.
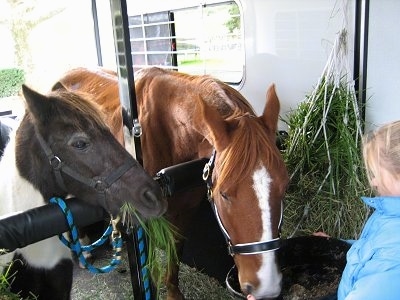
(381, 149)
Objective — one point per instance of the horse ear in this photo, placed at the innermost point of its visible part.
(58, 86)
(209, 122)
(37, 103)
(271, 111)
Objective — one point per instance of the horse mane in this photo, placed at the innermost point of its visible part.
(66, 104)
(242, 155)
(250, 138)
(104, 85)
(100, 89)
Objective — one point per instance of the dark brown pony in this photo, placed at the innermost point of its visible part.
(186, 117)
(63, 147)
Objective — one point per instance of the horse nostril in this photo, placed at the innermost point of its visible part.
(247, 288)
(154, 200)
(151, 198)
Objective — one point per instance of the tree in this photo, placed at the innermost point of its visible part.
(22, 18)
(234, 22)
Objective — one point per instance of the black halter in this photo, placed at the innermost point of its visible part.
(246, 248)
(100, 184)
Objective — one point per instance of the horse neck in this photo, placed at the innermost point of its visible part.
(169, 140)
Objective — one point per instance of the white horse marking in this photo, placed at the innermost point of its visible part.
(269, 274)
(20, 195)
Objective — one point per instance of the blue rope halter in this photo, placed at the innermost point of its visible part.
(78, 249)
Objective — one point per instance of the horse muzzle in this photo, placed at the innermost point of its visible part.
(153, 201)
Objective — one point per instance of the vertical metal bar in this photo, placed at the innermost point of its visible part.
(173, 40)
(136, 245)
(133, 254)
(125, 66)
(135, 238)
(97, 33)
(361, 52)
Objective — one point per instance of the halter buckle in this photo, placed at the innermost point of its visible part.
(210, 195)
(55, 162)
(100, 186)
(206, 171)
(230, 250)
(137, 128)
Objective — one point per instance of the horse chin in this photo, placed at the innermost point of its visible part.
(272, 294)
(113, 209)
(265, 283)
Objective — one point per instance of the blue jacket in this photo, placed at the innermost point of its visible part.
(373, 261)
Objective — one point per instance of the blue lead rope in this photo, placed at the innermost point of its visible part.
(78, 249)
(143, 258)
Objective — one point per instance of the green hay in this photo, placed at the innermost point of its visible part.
(323, 156)
(5, 279)
(160, 235)
(4, 283)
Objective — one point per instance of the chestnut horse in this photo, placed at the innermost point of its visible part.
(63, 147)
(185, 117)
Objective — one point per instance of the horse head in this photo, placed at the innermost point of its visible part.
(72, 151)
(247, 180)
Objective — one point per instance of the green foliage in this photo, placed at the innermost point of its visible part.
(160, 236)
(234, 22)
(5, 293)
(323, 156)
(4, 284)
(11, 81)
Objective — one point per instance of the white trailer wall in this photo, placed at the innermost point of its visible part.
(288, 42)
(383, 76)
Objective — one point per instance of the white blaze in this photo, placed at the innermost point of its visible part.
(269, 275)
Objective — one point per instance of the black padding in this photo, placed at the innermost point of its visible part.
(39, 223)
(205, 247)
(184, 176)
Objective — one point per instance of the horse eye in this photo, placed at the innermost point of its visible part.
(79, 140)
(80, 144)
(223, 195)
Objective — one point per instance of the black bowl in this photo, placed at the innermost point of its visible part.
(306, 261)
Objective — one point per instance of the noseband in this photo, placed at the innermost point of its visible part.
(246, 248)
(100, 184)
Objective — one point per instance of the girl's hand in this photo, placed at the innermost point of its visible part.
(320, 233)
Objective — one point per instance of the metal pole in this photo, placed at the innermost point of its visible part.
(135, 238)
(361, 52)
(125, 66)
(97, 33)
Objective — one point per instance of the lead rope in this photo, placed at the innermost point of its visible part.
(78, 249)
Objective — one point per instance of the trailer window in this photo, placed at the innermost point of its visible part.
(206, 39)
